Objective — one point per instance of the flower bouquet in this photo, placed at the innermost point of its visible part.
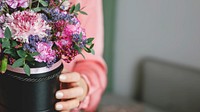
(35, 35)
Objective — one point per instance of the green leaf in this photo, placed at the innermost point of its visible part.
(14, 53)
(4, 63)
(77, 7)
(37, 9)
(7, 33)
(18, 62)
(82, 12)
(72, 9)
(92, 51)
(34, 54)
(5, 43)
(89, 40)
(87, 50)
(29, 58)
(7, 51)
(77, 48)
(44, 3)
(81, 35)
(89, 43)
(21, 53)
(27, 69)
(91, 46)
(13, 44)
(22, 9)
(75, 13)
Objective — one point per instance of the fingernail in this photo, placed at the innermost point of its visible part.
(62, 77)
(59, 107)
(59, 95)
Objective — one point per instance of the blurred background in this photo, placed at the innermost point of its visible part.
(152, 48)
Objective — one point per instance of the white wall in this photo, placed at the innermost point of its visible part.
(165, 29)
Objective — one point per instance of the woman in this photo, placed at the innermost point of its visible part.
(86, 77)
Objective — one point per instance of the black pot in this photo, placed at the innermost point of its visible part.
(35, 93)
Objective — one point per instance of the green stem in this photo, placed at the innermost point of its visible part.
(30, 4)
(38, 4)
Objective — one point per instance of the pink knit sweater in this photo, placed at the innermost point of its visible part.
(93, 68)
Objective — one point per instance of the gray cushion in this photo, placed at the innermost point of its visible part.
(170, 87)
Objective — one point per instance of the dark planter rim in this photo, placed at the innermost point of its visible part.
(35, 71)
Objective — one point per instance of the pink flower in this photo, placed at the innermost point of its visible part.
(62, 42)
(47, 54)
(2, 18)
(1, 33)
(25, 23)
(17, 3)
(69, 30)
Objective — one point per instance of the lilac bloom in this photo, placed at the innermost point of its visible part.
(17, 3)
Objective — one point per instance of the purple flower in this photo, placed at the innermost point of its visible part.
(60, 43)
(2, 5)
(50, 63)
(76, 38)
(2, 19)
(56, 15)
(43, 47)
(31, 46)
(47, 54)
(17, 3)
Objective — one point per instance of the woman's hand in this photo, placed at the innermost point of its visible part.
(76, 90)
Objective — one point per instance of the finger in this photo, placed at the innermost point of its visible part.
(64, 71)
(67, 105)
(69, 93)
(70, 77)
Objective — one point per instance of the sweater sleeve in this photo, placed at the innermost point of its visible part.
(93, 69)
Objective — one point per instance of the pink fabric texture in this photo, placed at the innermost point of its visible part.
(93, 69)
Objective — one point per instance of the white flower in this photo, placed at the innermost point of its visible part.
(25, 23)
(65, 5)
